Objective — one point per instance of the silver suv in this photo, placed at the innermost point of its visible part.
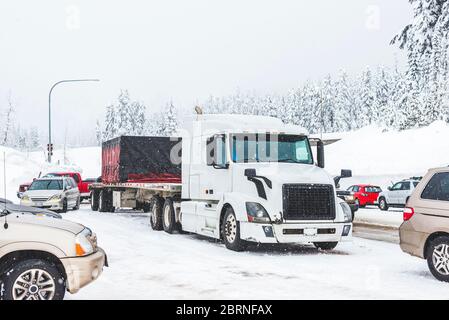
(398, 194)
(53, 193)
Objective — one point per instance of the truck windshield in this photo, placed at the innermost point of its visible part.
(46, 185)
(247, 148)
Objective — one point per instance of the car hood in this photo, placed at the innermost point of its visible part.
(45, 221)
(32, 210)
(42, 193)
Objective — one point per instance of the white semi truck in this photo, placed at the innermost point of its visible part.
(238, 178)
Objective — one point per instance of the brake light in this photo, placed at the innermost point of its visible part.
(408, 213)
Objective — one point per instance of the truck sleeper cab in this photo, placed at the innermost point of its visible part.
(248, 179)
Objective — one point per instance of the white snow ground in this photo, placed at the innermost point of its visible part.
(147, 264)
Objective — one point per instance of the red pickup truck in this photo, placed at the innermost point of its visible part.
(83, 185)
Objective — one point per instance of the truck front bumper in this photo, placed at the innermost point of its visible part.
(300, 233)
(83, 270)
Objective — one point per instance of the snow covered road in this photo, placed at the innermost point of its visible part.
(145, 264)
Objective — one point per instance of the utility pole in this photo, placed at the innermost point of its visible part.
(50, 144)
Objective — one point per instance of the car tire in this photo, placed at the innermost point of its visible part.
(157, 207)
(64, 205)
(438, 258)
(383, 205)
(230, 232)
(168, 216)
(94, 200)
(25, 270)
(325, 246)
(77, 205)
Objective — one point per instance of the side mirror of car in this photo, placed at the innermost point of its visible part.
(68, 187)
(389, 188)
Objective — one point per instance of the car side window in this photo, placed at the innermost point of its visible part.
(76, 178)
(397, 186)
(405, 186)
(437, 188)
(356, 189)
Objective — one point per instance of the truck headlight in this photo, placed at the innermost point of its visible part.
(346, 211)
(349, 198)
(257, 213)
(83, 246)
(25, 198)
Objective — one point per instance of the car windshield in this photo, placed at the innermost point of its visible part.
(247, 148)
(46, 185)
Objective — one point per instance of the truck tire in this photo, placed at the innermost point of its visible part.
(438, 258)
(168, 216)
(105, 201)
(157, 205)
(230, 232)
(326, 246)
(33, 279)
(94, 200)
(383, 205)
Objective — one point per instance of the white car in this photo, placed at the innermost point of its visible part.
(53, 193)
(398, 194)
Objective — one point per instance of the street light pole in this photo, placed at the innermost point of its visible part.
(50, 146)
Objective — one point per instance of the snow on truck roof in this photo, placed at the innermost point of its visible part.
(242, 123)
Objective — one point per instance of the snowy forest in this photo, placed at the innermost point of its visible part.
(394, 97)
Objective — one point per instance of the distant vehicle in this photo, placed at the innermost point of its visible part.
(11, 207)
(41, 258)
(23, 188)
(53, 193)
(83, 185)
(398, 194)
(365, 194)
(425, 230)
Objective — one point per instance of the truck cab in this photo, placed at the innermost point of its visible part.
(252, 178)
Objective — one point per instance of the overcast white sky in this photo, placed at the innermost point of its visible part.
(184, 50)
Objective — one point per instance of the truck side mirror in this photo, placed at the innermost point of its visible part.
(250, 173)
(345, 173)
(320, 153)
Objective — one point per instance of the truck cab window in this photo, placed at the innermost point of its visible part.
(216, 150)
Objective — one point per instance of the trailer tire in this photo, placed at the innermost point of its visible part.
(94, 200)
(168, 216)
(156, 205)
(230, 231)
(105, 201)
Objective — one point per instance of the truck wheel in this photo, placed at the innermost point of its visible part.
(33, 279)
(230, 232)
(94, 200)
(105, 201)
(383, 205)
(438, 258)
(326, 246)
(168, 216)
(157, 205)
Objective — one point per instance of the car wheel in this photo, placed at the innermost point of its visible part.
(157, 205)
(77, 205)
(438, 258)
(230, 231)
(383, 205)
(33, 279)
(326, 246)
(64, 205)
(94, 200)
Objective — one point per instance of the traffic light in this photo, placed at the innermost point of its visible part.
(50, 148)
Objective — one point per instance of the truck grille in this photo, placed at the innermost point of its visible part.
(308, 202)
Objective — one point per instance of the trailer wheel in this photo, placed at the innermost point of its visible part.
(94, 200)
(168, 218)
(156, 205)
(105, 201)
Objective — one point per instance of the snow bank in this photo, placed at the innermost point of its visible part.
(380, 157)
